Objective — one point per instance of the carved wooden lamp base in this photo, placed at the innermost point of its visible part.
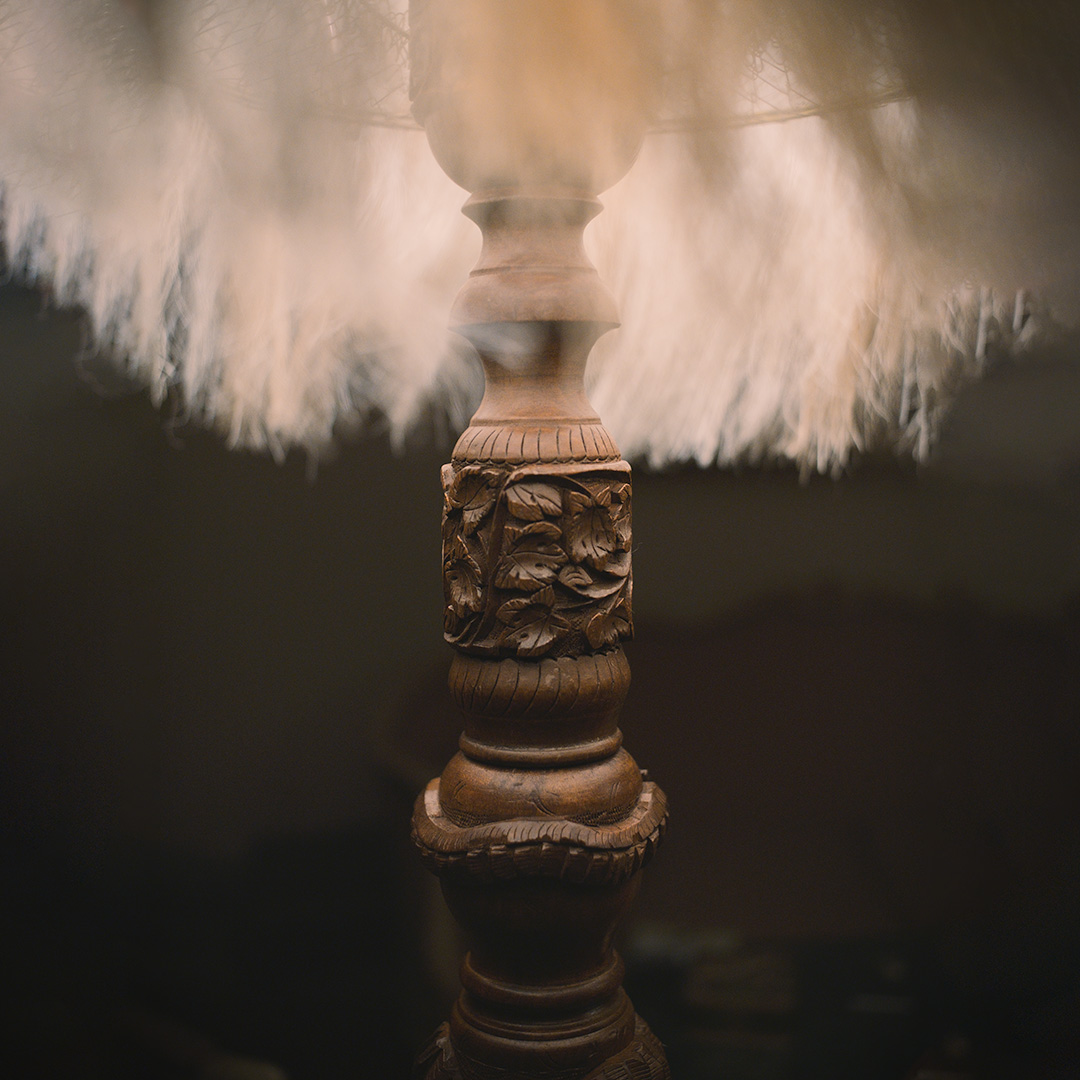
(643, 1059)
(539, 827)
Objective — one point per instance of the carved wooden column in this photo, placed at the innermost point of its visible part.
(539, 827)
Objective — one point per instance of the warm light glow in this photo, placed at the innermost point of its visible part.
(235, 193)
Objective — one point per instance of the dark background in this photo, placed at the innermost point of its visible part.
(221, 688)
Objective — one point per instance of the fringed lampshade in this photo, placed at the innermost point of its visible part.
(839, 212)
(834, 216)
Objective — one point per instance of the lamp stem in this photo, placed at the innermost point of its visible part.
(538, 828)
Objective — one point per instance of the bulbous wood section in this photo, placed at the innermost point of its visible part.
(539, 827)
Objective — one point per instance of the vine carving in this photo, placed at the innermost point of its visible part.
(536, 565)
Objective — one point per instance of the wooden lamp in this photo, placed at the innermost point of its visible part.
(539, 827)
(191, 175)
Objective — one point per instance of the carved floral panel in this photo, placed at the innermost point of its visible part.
(536, 564)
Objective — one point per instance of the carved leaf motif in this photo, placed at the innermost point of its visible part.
(446, 474)
(618, 564)
(608, 625)
(546, 532)
(533, 501)
(531, 624)
(590, 531)
(461, 577)
(473, 491)
(534, 558)
(620, 511)
(528, 570)
(578, 579)
(453, 624)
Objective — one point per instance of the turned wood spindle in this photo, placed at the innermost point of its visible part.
(539, 826)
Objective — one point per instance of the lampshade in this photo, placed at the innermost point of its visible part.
(839, 211)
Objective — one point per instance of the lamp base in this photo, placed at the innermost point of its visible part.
(643, 1059)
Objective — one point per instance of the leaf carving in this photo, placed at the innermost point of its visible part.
(531, 625)
(609, 624)
(620, 511)
(473, 491)
(618, 564)
(534, 557)
(528, 570)
(539, 532)
(579, 580)
(590, 531)
(532, 500)
(447, 477)
(462, 581)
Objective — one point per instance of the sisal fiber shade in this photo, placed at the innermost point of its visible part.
(842, 210)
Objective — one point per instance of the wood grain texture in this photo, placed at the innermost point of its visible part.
(538, 828)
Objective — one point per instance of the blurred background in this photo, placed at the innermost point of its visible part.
(222, 686)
